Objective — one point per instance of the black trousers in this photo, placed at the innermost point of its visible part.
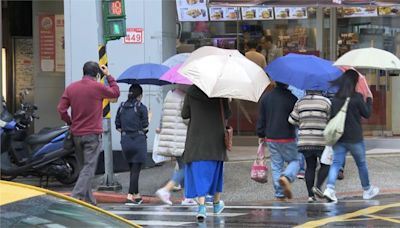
(312, 158)
(134, 180)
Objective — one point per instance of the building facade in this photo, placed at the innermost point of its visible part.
(45, 59)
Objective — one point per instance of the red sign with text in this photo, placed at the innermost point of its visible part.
(134, 36)
(47, 42)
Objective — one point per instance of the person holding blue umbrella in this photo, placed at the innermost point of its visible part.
(132, 121)
(274, 129)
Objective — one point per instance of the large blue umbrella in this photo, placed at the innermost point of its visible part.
(148, 73)
(305, 72)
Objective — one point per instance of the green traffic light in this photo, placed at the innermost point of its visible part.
(116, 29)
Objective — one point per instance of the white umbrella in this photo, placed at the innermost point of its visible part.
(225, 73)
(370, 58)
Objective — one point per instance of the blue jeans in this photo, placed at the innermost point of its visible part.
(357, 150)
(179, 175)
(302, 163)
(281, 153)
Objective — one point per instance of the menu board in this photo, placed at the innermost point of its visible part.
(368, 11)
(389, 11)
(192, 10)
(290, 12)
(257, 13)
(224, 13)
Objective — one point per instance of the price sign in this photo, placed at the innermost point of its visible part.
(134, 36)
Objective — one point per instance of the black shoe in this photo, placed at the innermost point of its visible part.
(136, 201)
(340, 175)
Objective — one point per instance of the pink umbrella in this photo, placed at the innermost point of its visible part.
(173, 76)
(362, 84)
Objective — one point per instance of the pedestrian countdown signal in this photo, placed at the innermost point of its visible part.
(114, 19)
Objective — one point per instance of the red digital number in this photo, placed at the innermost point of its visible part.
(116, 7)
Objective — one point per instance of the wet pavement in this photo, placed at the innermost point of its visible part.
(382, 211)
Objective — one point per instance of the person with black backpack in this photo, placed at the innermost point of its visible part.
(132, 121)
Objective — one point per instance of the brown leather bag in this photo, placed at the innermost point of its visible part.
(228, 130)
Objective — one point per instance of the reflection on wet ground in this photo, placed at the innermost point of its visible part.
(384, 211)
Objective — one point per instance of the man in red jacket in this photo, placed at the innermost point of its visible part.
(85, 98)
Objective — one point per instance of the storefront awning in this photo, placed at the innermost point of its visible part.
(302, 2)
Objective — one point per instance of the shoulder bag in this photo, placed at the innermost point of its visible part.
(228, 130)
(335, 127)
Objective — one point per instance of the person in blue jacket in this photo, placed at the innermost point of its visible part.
(132, 121)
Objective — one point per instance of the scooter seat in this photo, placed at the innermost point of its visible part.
(45, 137)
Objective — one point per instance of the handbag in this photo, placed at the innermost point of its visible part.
(68, 141)
(327, 156)
(228, 130)
(259, 170)
(156, 157)
(335, 127)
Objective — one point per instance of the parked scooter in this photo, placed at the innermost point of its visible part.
(41, 154)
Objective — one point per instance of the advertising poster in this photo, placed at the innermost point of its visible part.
(389, 11)
(224, 13)
(369, 11)
(60, 43)
(290, 12)
(192, 10)
(47, 42)
(257, 13)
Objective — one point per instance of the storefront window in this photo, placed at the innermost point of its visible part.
(355, 27)
(381, 32)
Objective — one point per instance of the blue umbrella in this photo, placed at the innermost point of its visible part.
(148, 73)
(306, 72)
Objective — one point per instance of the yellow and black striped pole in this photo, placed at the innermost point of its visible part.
(106, 102)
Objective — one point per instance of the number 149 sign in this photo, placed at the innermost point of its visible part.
(134, 36)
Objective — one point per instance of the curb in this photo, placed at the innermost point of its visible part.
(112, 197)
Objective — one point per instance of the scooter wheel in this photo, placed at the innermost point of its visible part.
(73, 175)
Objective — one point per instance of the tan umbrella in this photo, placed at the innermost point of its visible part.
(225, 73)
(369, 58)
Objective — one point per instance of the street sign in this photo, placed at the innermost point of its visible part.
(134, 36)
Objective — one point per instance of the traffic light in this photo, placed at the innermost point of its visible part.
(114, 19)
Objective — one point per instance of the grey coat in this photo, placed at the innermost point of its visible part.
(205, 136)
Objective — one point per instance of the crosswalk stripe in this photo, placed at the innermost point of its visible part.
(160, 223)
(170, 213)
(209, 206)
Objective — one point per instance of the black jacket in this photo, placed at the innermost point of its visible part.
(205, 135)
(274, 110)
(357, 108)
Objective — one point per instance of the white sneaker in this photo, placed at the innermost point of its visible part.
(164, 196)
(330, 195)
(370, 193)
(188, 202)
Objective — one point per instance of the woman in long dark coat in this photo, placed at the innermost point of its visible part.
(132, 121)
(205, 150)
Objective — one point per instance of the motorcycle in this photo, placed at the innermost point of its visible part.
(40, 154)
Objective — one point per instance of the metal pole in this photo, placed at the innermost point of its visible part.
(1, 57)
(109, 184)
(333, 34)
(320, 31)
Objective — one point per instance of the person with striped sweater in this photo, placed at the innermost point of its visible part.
(311, 114)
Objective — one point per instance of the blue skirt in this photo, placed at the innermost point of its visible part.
(203, 178)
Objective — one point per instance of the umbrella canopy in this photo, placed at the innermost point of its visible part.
(176, 59)
(173, 76)
(306, 72)
(362, 84)
(225, 73)
(148, 73)
(370, 58)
